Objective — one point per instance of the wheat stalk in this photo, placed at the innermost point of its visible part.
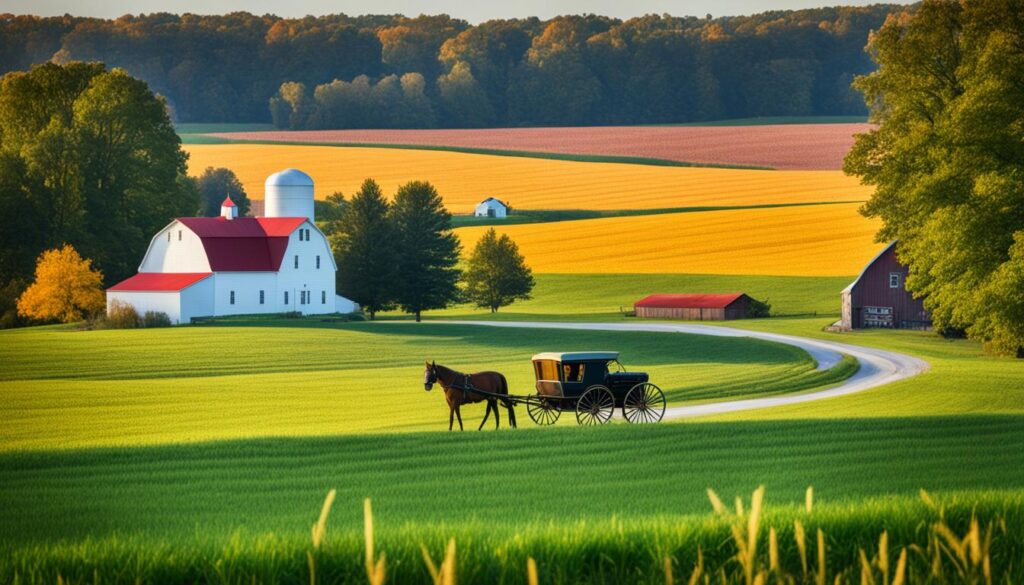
(320, 528)
(809, 499)
(801, 545)
(821, 557)
(716, 502)
(531, 571)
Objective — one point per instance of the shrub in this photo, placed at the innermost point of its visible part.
(156, 319)
(121, 315)
(759, 309)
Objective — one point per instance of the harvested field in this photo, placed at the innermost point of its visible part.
(826, 240)
(527, 183)
(780, 146)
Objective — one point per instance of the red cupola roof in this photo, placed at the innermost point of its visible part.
(228, 202)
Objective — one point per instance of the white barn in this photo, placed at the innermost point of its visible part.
(491, 207)
(230, 265)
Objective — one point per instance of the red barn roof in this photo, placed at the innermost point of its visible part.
(159, 281)
(689, 301)
(244, 244)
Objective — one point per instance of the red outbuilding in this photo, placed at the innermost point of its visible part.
(694, 307)
(879, 297)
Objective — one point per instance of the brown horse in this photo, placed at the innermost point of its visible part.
(459, 389)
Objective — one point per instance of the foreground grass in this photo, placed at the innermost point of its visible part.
(251, 377)
(499, 479)
(903, 539)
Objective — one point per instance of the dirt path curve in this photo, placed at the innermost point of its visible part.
(877, 366)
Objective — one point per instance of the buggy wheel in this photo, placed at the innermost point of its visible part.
(645, 403)
(544, 413)
(595, 406)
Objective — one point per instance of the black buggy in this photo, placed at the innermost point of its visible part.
(593, 384)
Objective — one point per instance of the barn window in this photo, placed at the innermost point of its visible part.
(296, 260)
(894, 280)
(261, 297)
(286, 297)
(179, 235)
(168, 236)
(232, 301)
(323, 297)
(318, 261)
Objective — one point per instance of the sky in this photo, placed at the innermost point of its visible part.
(472, 10)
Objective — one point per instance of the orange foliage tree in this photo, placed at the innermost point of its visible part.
(66, 287)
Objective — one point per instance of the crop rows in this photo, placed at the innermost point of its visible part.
(825, 240)
(526, 183)
(787, 146)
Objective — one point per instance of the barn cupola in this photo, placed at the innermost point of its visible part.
(288, 193)
(228, 209)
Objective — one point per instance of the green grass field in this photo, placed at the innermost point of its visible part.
(606, 297)
(279, 377)
(203, 453)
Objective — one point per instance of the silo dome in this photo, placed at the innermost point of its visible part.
(288, 193)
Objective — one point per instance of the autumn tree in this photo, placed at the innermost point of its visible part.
(497, 274)
(214, 185)
(427, 250)
(947, 161)
(66, 288)
(364, 249)
(88, 157)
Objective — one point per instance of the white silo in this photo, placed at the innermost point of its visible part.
(288, 193)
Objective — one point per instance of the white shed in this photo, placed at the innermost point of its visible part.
(491, 207)
(181, 295)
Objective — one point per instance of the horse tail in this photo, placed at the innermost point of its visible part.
(508, 403)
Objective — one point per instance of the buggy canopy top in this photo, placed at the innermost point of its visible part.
(576, 356)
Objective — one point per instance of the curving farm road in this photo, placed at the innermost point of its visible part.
(877, 366)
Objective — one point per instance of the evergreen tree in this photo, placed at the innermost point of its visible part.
(216, 184)
(364, 250)
(427, 249)
(497, 273)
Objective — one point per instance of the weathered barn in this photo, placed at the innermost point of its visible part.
(694, 307)
(879, 297)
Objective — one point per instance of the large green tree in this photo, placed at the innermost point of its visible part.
(217, 183)
(497, 274)
(428, 251)
(947, 160)
(364, 250)
(88, 157)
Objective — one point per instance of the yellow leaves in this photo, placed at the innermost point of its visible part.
(66, 287)
(825, 240)
(527, 183)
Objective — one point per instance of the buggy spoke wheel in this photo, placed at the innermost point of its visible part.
(595, 406)
(645, 403)
(544, 412)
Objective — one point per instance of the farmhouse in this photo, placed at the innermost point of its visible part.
(694, 307)
(230, 265)
(879, 298)
(491, 207)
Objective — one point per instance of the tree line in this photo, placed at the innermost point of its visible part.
(340, 71)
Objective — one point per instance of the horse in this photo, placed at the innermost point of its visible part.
(458, 390)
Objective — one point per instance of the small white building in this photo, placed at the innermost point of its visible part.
(230, 265)
(491, 207)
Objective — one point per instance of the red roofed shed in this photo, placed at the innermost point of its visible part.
(694, 307)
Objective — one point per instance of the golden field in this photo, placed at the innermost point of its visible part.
(820, 240)
(527, 183)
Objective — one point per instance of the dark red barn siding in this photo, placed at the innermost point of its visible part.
(873, 301)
